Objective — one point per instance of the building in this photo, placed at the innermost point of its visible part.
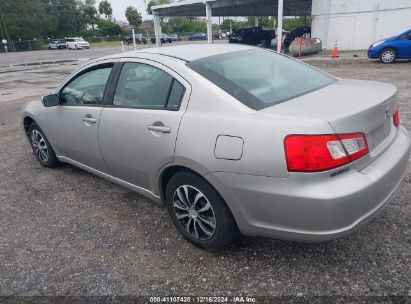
(355, 24)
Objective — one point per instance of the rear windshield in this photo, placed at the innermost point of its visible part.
(260, 78)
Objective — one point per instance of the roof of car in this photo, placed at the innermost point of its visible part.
(191, 52)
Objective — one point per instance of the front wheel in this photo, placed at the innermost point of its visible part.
(199, 212)
(41, 147)
(388, 56)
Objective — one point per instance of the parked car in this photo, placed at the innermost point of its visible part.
(164, 38)
(175, 37)
(140, 38)
(230, 138)
(197, 36)
(296, 33)
(77, 43)
(251, 36)
(217, 36)
(57, 45)
(390, 49)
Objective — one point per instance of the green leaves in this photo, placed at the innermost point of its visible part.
(104, 8)
(133, 17)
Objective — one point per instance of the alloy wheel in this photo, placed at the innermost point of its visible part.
(39, 146)
(194, 212)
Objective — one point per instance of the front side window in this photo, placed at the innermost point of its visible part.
(86, 89)
(260, 78)
(144, 86)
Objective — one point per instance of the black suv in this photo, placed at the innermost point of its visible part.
(164, 38)
(252, 35)
(139, 39)
(298, 32)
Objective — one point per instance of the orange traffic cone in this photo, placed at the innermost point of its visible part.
(334, 53)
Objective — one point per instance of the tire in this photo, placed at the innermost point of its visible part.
(210, 222)
(37, 138)
(76, 47)
(388, 56)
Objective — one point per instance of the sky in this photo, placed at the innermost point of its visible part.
(119, 8)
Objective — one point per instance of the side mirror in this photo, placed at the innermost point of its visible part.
(50, 100)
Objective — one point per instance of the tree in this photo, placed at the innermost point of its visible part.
(104, 8)
(109, 28)
(69, 16)
(225, 25)
(133, 17)
(26, 19)
(90, 15)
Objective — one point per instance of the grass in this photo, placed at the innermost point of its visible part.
(106, 44)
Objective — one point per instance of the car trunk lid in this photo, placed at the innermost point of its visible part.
(351, 106)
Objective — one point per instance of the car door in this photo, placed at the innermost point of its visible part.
(138, 131)
(404, 46)
(73, 124)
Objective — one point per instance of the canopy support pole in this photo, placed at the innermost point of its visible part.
(209, 16)
(157, 28)
(280, 25)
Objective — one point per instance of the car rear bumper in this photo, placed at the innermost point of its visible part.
(310, 208)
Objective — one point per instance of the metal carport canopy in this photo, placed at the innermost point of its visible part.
(233, 8)
(210, 8)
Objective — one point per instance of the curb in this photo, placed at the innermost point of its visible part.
(44, 62)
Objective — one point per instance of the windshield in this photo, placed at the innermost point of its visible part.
(259, 78)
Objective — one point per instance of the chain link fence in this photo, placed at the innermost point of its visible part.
(42, 44)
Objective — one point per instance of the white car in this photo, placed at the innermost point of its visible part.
(77, 43)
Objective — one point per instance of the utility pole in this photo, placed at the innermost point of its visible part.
(4, 28)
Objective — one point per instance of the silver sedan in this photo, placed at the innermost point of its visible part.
(232, 139)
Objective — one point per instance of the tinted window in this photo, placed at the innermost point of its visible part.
(176, 94)
(86, 89)
(260, 78)
(144, 86)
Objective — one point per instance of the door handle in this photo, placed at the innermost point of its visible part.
(89, 119)
(161, 129)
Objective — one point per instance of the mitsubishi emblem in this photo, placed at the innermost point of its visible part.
(387, 112)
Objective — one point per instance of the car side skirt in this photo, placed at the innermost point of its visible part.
(142, 191)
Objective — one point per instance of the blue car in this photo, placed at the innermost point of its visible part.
(198, 36)
(390, 49)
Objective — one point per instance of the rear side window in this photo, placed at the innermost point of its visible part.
(176, 94)
(145, 86)
(260, 78)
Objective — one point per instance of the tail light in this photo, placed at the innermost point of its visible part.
(396, 118)
(314, 153)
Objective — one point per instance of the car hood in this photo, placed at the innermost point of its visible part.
(387, 39)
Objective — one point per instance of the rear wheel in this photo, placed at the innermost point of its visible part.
(199, 212)
(388, 56)
(41, 147)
